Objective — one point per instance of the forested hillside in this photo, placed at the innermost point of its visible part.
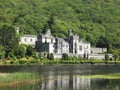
(96, 21)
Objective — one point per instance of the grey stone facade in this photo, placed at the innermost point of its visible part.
(61, 46)
(70, 45)
(45, 42)
(28, 40)
(77, 46)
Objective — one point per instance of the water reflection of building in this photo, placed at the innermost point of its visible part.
(81, 83)
(66, 82)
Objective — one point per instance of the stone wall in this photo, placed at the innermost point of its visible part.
(97, 56)
(28, 40)
(98, 50)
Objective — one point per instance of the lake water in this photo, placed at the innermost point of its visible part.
(67, 77)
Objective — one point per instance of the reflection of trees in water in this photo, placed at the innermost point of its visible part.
(105, 84)
(99, 83)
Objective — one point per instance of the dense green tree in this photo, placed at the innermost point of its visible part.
(93, 20)
(11, 54)
(29, 51)
(107, 57)
(102, 42)
(116, 53)
(8, 38)
(20, 51)
(115, 56)
(105, 41)
(51, 56)
(65, 56)
(2, 52)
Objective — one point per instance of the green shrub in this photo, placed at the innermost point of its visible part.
(65, 56)
(107, 57)
(20, 51)
(22, 62)
(11, 62)
(51, 56)
(29, 50)
(33, 61)
(2, 52)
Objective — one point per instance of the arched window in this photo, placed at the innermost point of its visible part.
(31, 40)
(25, 39)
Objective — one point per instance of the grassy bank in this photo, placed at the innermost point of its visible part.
(18, 79)
(103, 76)
(57, 61)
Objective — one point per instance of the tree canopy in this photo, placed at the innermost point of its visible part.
(92, 20)
(8, 38)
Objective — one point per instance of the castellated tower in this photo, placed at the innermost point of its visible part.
(73, 42)
(45, 42)
(70, 32)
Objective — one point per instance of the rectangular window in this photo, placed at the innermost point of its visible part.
(31, 40)
(80, 47)
(87, 46)
(63, 45)
(25, 39)
(66, 46)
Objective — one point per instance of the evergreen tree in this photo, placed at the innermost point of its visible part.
(65, 56)
(29, 50)
(107, 57)
(20, 51)
(51, 56)
(8, 38)
(2, 52)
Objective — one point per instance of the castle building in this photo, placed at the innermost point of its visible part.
(61, 46)
(28, 40)
(77, 46)
(70, 45)
(45, 42)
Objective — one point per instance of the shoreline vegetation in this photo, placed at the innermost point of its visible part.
(102, 76)
(30, 57)
(24, 78)
(55, 62)
(18, 79)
